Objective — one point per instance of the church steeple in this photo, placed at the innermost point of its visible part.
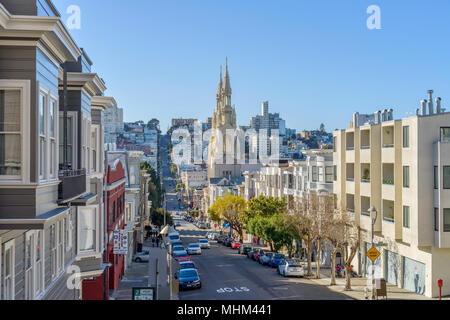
(219, 90)
(227, 86)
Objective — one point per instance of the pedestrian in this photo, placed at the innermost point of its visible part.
(157, 242)
(338, 270)
(153, 242)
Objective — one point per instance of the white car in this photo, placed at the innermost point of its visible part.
(194, 248)
(142, 256)
(291, 267)
(204, 244)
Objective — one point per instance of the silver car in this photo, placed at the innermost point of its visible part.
(142, 256)
(194, 248)
(291, 267)
(204, 244)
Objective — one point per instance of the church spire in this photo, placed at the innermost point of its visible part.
(227, 85)
(219, 90)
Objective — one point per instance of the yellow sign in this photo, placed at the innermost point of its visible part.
(373, 254)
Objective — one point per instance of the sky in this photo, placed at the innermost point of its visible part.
(314, 61)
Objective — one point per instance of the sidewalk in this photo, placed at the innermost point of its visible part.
(358, 285)
(144, 275)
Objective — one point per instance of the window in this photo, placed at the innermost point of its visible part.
(335, 173)
(406, 177)
(329, 174)
(445, 134)
(47, 134)
(314, 174)
(334, 143)
(128, 209)
(111, 213)
(87, 227)
(69, 228)
(321, 174)
(52, 134)
(406, 217)
(42, 137)
(406, 137)
(71, 128)
(39, 266)
(446, 220)
(53, 251)
(60, 245)
(436, 177)
(94, 150)
(9, 272)
(10, 133)
(29, 266)
(446, 170)
(436, 219)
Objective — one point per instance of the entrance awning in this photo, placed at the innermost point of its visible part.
(165, 230)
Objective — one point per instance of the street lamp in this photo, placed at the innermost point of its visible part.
(373, 216)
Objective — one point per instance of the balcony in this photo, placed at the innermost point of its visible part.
(72, 185)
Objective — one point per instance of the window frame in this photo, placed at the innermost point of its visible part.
(446, 211)
(40, 234)
(406, 177)
(408, 225)
(407, 144)
(436, 177)
(24, 86)
(45, 155)
(436, 219)
(441, 134)
(314, 174)
(73, 115)
(95, 231)
(30, 292)
(10, 245)
(444, 185)
(327, 175)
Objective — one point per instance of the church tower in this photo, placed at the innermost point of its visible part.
(224, 118)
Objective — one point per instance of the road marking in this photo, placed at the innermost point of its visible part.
(188, 236)
(280, 288)
(231, 290)
(224, 265)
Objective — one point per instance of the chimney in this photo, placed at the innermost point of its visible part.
(391, 114)
(424, 107)
(385, 115)
(438, 105)
(356, 119)
(430, 102)
(378, 117)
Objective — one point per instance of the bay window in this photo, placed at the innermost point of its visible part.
(87, 218)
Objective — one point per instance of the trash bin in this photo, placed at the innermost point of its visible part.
(381, 288)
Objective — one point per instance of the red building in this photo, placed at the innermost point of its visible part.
(115, 220)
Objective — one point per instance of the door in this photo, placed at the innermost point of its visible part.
(413, 275)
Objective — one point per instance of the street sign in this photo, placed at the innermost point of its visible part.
(373, 254)
(120, 240)
(144, 294)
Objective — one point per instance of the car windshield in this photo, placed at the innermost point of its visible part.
(188, 273)
(279, 256)
(174, 237)
(187, 266)
(146, 253)
(193, 245)
(203, 241)
(179, 254)
(178, 248)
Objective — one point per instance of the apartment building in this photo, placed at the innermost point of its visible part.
(402, 168)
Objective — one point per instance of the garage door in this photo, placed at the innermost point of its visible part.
(392, 267)
(413, 275)
(377, 264)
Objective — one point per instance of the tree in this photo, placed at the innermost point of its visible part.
(157, 217)
(350, 245)
(230, 209)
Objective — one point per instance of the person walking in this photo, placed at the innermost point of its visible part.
(157, 242)
(153, 242)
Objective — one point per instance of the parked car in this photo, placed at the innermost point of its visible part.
(188, 278)
(258, 254)
(276, 259)
(251, 253)
(265, 258)
(204, 244)
(194, 248)
(181, 256)
(142, 256)
(229, 242)
(242, 247)
(202, 225)
(177, 248)
(220, 239)
(173, 237)
(187, 265)
(245, 249)
(236, 245)
(291, 267)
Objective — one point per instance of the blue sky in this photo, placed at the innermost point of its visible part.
(315, 61)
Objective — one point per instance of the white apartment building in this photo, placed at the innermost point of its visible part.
(402, 168)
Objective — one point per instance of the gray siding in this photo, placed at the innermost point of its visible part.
(20, 7)
(17, 203)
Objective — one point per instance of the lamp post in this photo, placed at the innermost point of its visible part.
(373, 216)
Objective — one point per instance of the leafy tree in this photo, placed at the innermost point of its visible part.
(230, 209)
(157, 217)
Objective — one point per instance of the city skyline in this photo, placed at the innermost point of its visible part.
(273, 56)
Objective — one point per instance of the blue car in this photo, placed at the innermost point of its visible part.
(276, 259)
(188, 279)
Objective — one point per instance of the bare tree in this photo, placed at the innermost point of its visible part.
(336, 239)
(350, 245)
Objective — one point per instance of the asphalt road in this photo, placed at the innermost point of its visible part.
(225, 275)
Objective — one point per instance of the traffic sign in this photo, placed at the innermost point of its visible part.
(144, 293)
(373, 254)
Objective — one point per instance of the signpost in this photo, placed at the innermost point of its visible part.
(144, 293)
(373, 254)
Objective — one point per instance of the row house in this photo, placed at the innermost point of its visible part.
(380, 162)
(51, 157)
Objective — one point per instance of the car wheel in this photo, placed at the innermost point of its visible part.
(138, 260)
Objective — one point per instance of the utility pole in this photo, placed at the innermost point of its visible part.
(156, 280)
(373, 214)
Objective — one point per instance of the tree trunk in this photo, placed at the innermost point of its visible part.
(310, 273)
(318, 260)
(348, 281)
(333, 266)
